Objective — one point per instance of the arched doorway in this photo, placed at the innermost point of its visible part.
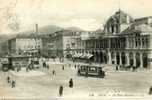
(137, 60)
(131, 58)
(123, 57)
(117, 58)
(145, 60)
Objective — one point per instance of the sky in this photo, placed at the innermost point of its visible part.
(21, 15)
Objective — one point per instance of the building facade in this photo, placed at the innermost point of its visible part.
(24, 45)
(66, 42)
(124, 41)
(29, 45)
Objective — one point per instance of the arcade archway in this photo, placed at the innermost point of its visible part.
(123, 57)
(118, 58)
(145, 60)
(137, 59)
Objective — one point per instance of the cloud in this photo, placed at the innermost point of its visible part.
(86, 14)
(86, 23)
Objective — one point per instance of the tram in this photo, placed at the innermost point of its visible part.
(90, 70)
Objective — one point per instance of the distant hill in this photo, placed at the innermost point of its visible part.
(49, 29)
(45, 30)
(42, 31)
(74, 29)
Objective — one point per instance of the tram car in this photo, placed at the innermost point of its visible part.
(91, 71)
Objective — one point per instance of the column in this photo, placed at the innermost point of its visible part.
(127, 42)
(109, 43)
(115, 60)
(134, 42)
(141, 60)
(120, 42)
(115, 30)
(128, 60)
(134, 58)
(109, 54)
(120, 59)
(141, 43)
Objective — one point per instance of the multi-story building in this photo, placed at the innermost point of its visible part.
(24, 45)
(124, 41)
(29, 45)
(66, 42)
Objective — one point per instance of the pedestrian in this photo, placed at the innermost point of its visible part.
(18, 69)
(8, 79)
(71, 83)
(47, 65)
(44, 64)
(63, 67)
(150, 90)
(78, 71)
(116, 68)
(75, 66)
(86, 74)
(13, 83)
(53, 72)
(61, 90)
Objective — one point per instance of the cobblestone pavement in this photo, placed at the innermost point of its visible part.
(115, 84)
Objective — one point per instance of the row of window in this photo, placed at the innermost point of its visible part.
(28, 47)
(115, 43)
(138, 42)
(112, 43)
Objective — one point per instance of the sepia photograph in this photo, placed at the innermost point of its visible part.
(75, 50)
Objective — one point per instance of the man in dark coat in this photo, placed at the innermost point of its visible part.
(71, 83)
(53, 72)
(63, 67)
(61, 90)
(13, 84)
(117, 68)
(150, 91)
(8, 79)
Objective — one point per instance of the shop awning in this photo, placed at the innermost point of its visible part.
(83, 55)
(89, 56)
(77, 55)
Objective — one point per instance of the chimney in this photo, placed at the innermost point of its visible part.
(36, 28)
